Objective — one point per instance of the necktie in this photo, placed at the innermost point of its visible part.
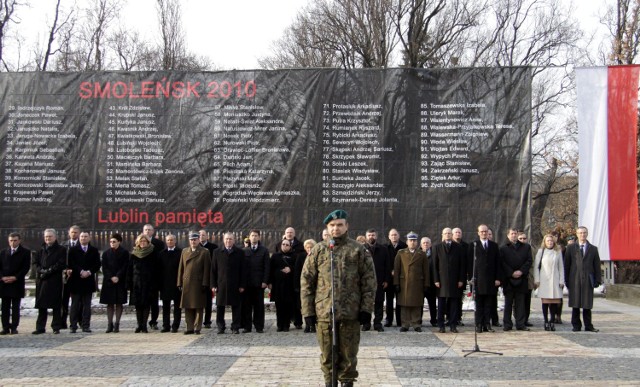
(13, 251)
(582, 247)
(484, 245)
(254, 247)
(84, 248)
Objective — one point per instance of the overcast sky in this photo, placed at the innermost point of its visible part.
(234, 34)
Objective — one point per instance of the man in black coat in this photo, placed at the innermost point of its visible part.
(84, 263)
(48, 264)
(158, 246)
(516, 259)
(582, 274)
(449, 277)
(208, 306)
(73, 241)
(257, 276)
(457, 237)
(394, 245)
(431, 293)
(382, 264)
(486, 274)
(228, 282)
(169, 260)
(14, 266)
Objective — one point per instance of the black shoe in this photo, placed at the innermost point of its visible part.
(221, 331)
(86, 330)
(116, 328)
(56, 331)
(207, 326)
(591, 329)
(546, 326)
(14, 331)
(487, 328)
(313, 329)
(441, 330)
(418, 329)
(38, 332)
(460, 323)
(73, 330)
(387, 324)
(552, 327)
(454, 330)
(189, 332)
(366, 327)
(497, 325)
(197, 332)
(144, 330)
(153, 326)
(434, 324)
(507, 329)
(109, 328)
(528, 324)
(576, 329)
(378, 328)
(246, 331)
(4, 332)
(165, 330)
(285, 329)
(138, 330)
(259, 330)
(479, 329)
(523, 329)
(235, 332)
(64, 326)
(307, 329)
(299, 326)
(174, 330)
(346, 384)
(404, 329)
(558, 320)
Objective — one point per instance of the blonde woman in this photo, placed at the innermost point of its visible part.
(549, 279)
(141, 279)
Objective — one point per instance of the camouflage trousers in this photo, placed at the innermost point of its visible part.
(348, 345)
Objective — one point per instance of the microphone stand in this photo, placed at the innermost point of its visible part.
(476, 348)
(334, 335)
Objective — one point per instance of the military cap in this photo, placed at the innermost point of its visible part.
(194, 235)
(412, 235)
(337, 214)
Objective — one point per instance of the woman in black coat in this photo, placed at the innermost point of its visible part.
(140, 280)
(114, 286)
(282, 289)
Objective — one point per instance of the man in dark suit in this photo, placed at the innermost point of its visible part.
(431, 293)
(228, 282)
(449, 278)
(73, 241)
(582, 274)
(169, 261)
(486, 274)
(84, 263)
(49, 264)
(257, 275)
(394, 245)
(382, 264)
(516, 262)
(14, 265)
(158, 246)
(208, 305)
(457, 237)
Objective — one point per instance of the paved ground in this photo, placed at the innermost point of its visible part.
(391, 358)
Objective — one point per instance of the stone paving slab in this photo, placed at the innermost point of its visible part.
(391, 358)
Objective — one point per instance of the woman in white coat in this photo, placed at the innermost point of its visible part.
(549, 279)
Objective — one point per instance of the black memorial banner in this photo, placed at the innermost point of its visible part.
(415, 149)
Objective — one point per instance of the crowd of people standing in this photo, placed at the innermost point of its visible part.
(237, 275)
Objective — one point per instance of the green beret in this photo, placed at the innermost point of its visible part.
(337, 214)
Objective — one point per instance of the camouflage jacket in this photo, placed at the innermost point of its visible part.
(355, 280)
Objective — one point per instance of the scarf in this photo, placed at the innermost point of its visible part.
(141, 253)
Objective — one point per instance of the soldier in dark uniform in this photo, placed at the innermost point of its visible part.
(354, 289)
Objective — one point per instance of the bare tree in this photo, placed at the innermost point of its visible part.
(132, 52)
(59, 29)
(623, 23)
(7, 13)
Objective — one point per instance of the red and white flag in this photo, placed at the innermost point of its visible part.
(607, 99)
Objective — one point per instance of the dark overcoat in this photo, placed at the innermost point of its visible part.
(393, 251)
(194, 273)
(282, 289)
(382, 262)
(227, 275)
(114, 264)
(450, 268)
(257, 266)
(168, 262)
(516, 256)
(411, 273)
(49, 263)
(80, 260)
(140, 279)
(16, 265)
(487, 267)
(580, 271)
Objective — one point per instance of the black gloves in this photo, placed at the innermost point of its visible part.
(364, 318)
(311, 321)
(397, 289)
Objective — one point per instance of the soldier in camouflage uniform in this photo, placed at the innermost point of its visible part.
(354, 293)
